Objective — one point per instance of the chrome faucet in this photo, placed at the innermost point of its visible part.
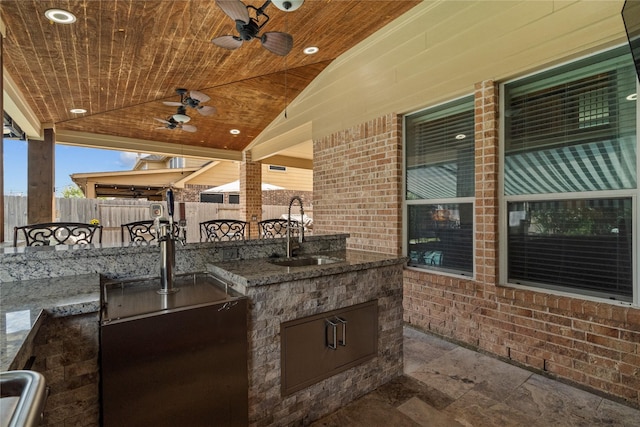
(300, 226)
(167, 236)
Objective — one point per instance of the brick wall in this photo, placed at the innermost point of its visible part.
(283, 197)
(591, 344)
(357, 185)
(190, 193)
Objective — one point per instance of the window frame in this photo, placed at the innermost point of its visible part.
(440, 201)
(504, 200)
(212, 196)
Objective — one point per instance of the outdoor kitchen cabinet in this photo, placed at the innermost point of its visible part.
(322, 345)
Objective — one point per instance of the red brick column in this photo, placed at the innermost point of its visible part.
(486, 178)
(251, 192)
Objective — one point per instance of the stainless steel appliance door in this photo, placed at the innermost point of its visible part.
(183, 368)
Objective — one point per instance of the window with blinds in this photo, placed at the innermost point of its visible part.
(571, 131)
(439, 152)
(439, 177)
(582, 245)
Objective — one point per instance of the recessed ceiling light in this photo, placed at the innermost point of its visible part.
(310, 50)
(234, 132)
(60, 16)
(632, 97)
(78, 111)
(461, 136)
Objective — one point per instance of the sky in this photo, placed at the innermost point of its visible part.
(69, 160)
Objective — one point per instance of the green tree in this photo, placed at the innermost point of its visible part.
(72, 191)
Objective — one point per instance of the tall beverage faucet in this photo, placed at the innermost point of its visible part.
(167, 237)
(300, 226)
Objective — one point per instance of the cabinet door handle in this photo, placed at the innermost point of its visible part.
(343, 341)
(331, 334)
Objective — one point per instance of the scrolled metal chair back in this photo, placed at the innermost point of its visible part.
(275, 228)
(141, 232)
(218, 230)
(58, 233)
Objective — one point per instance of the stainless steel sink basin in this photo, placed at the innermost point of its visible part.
(304, 261)
(22, 397)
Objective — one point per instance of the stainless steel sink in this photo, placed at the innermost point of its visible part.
(22, 398)
(304, 261)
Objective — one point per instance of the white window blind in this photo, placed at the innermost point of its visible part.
(572, 130)
(440, 152)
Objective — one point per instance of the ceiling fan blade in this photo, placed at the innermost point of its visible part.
(199, 96)
(227, 42)
(162, 127)
(206, 110)
(188, 128)
(172, 103)
(234, 9)
(161, 120)
(276, 42)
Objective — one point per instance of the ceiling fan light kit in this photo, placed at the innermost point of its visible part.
(287, 5)
(170, 123)
(248, 27)
(182, 118)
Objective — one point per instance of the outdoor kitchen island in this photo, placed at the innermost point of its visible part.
(355, 302)
(59, 287)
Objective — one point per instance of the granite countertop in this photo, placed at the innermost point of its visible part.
(23, 304)
(257, 272)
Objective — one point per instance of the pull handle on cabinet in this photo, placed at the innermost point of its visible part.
(331, 334)
(343, 340)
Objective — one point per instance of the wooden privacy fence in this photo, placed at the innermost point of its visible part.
(113, 213)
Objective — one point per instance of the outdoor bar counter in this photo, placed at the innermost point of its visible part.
(60, 286)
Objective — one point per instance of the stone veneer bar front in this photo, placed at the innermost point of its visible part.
(280, 294)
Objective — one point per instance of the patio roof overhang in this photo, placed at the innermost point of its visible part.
(147, 184)
(153, 193)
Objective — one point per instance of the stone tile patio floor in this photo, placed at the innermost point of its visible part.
(445, 385)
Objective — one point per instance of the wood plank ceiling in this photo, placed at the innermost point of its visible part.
(122, 58)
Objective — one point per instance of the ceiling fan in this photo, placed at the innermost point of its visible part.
(171, 123)
(194, 100)
(248, 27)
